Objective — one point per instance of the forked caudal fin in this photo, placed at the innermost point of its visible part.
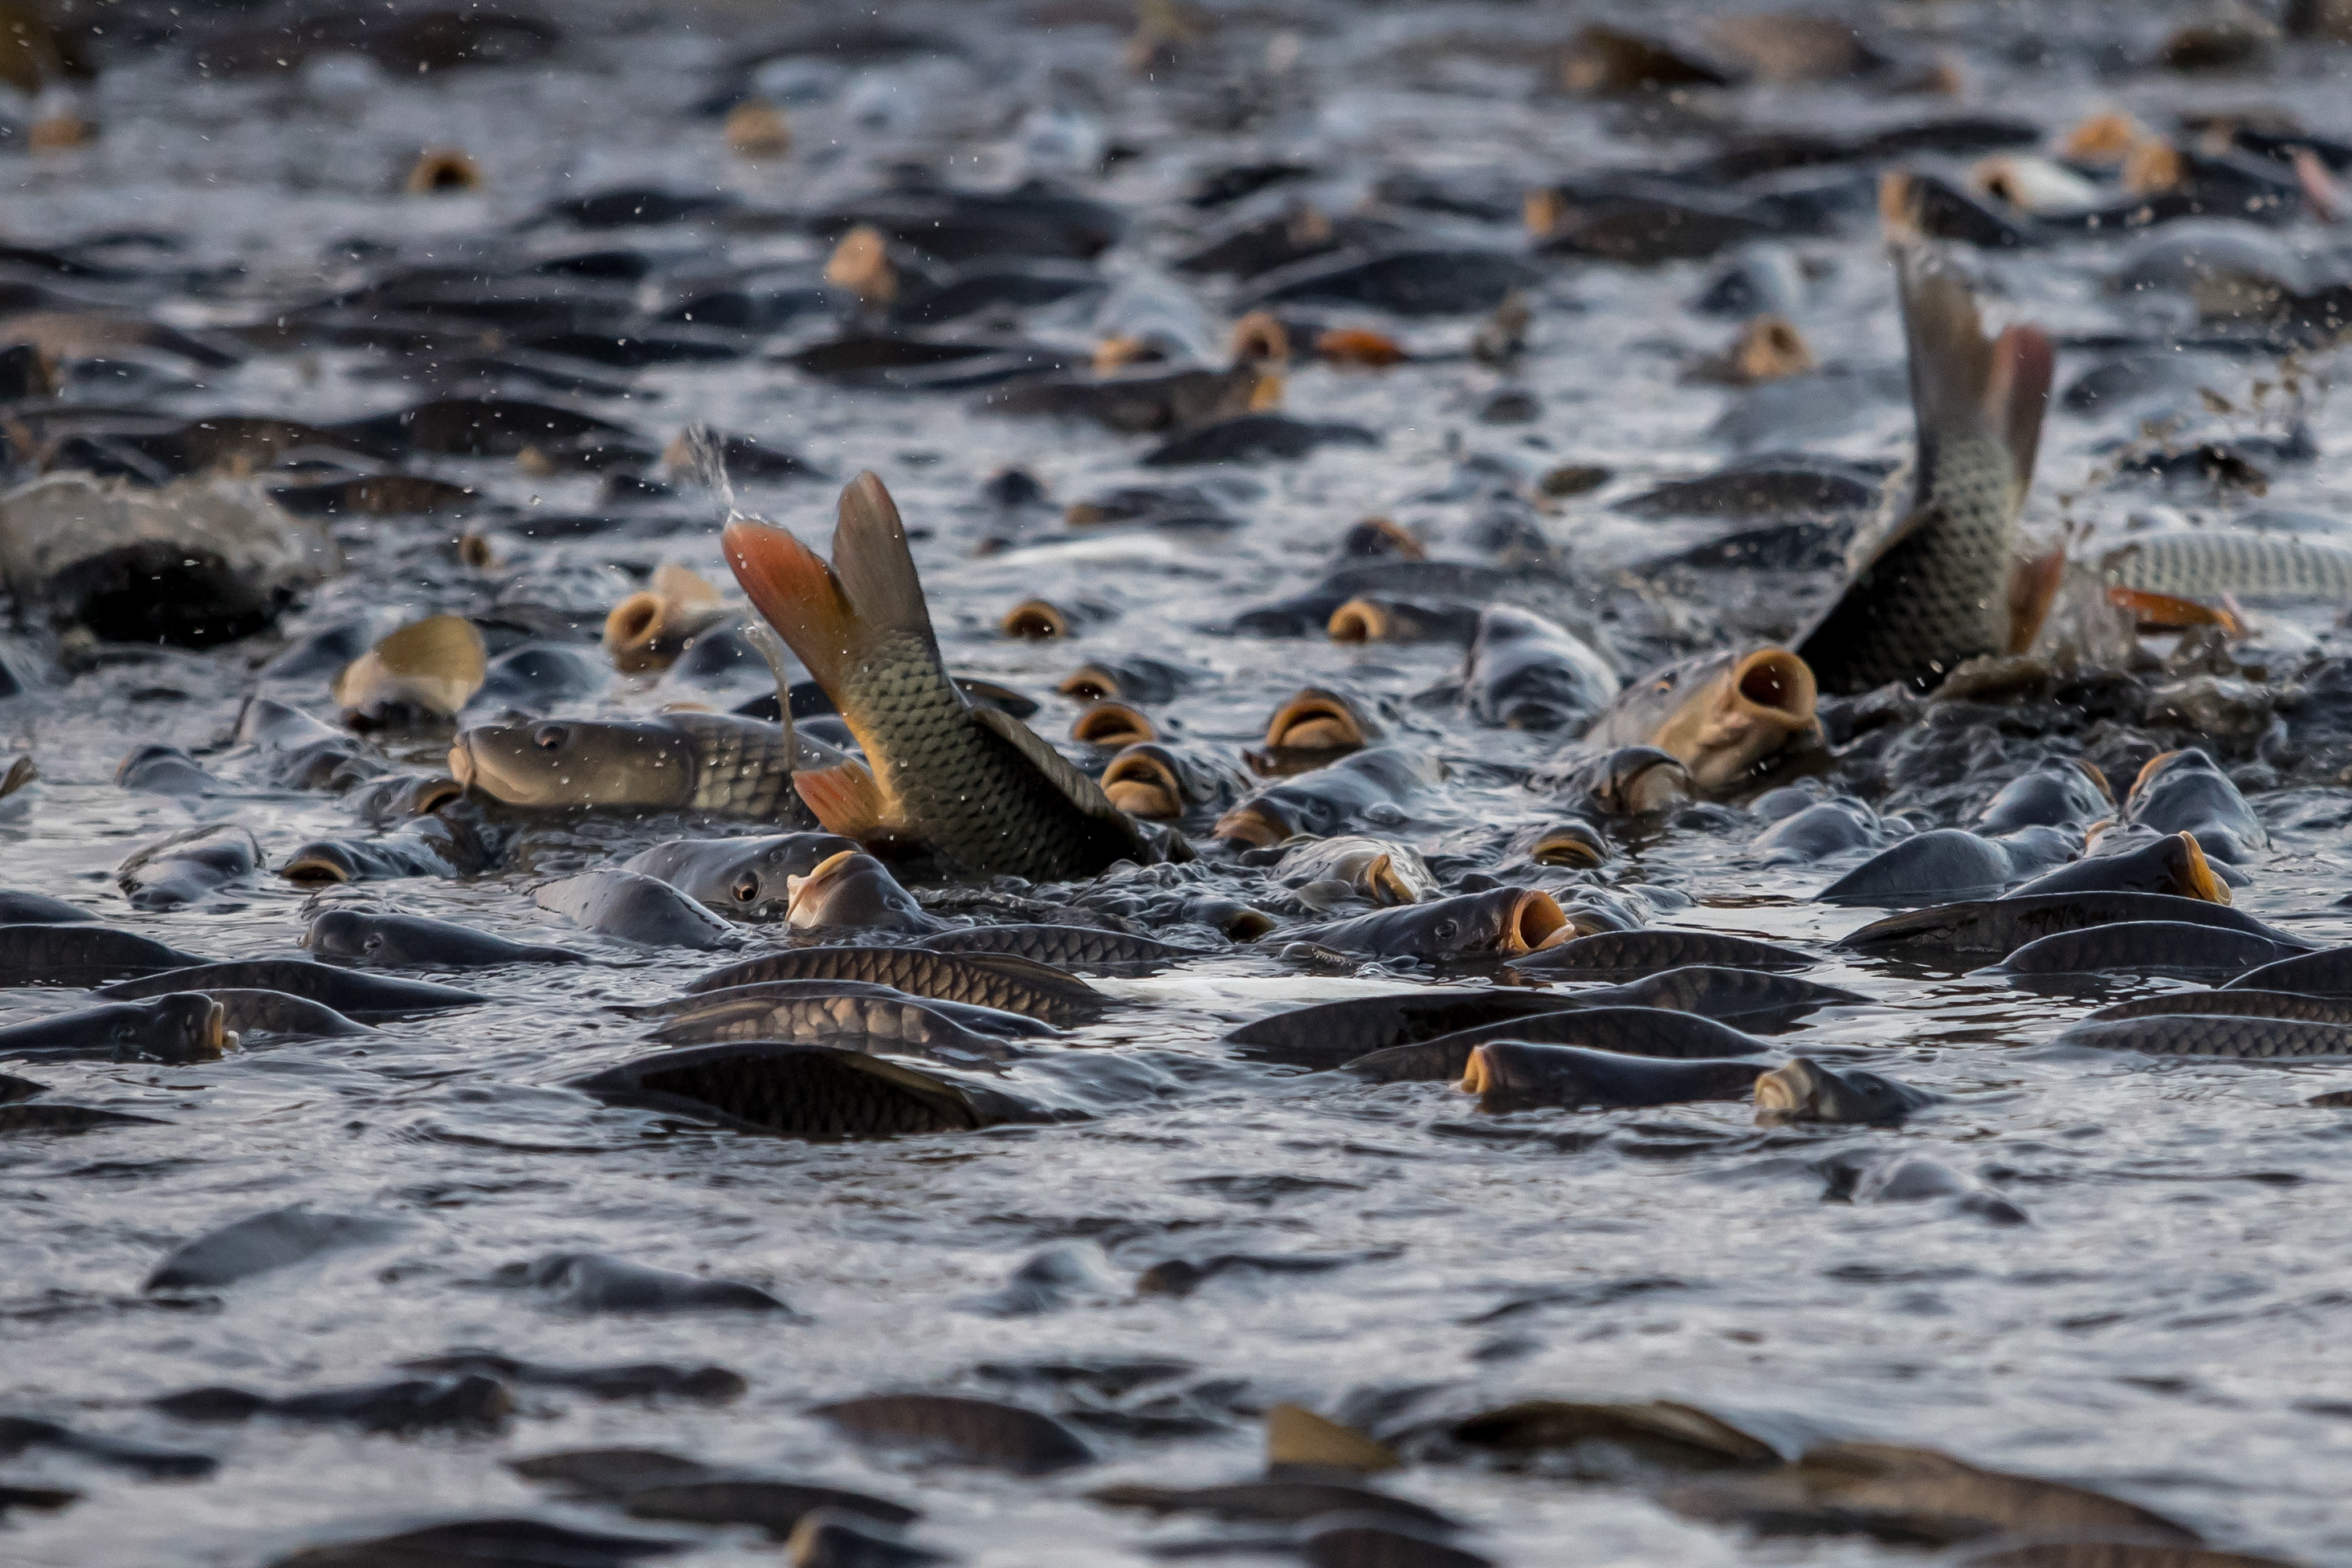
(834, 617)
(1964, 386)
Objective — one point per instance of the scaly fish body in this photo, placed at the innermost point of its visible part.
(713, 763)
(1936, 591)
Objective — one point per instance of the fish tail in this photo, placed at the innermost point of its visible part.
(1964, 386)
(797, 594)
(876, 568)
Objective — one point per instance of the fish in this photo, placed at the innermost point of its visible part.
(713, 763)
(1621, 1031)
(1658, 1434)
(1385, 871)
(1316, 726)
(466, 1403)
(1284, 1501)
(1006, 981)
(2266, 1037)
(647, 631)
(637, 908)
(248, 1011)
(776, 1507)
(1343, 1030)
(1113, 725)
(1524, 672)
(1630, 782)
(1944, 863)
(1725, 717)
(2142, 946)
(2186, 793)
(743, 879)
(1637, 953)
(635, 1380)
(1501, 922)
(593, 1282)
(2325, 973)
(2237, 997)
(1935, 591)
(427, 671)
(413, 942)
(50, 1117)
(2001, 926)
(1364, 619)
(978, 787)
(2173, 865)
(1071, 947)
(1155, 782)
(177, 1028)
(80, 954)
(996, 1021)
(2059, 791)
(1509, 1075)
(186, 867)
(963, 1430)
(1803, 1090)
(1326, 801)
(1820, 831)
(853, 1017)
(852, 889)
(802, 1090)
(352, 992)
(425, 846)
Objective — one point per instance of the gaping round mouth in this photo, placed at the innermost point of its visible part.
(1035, 620)
(1359, 620)
(803, 894)
(1776, 683)
(1315, 721)
(216, 1036)
(1535, 919)
(461, 763)
(1386, 884)
(1088, 682)
(1251, 826)
(1782, 1089)
(1112, 724)
(1570, 845)
(634, 621)
(1478, 1074)
(314, 869)
(1144, 787)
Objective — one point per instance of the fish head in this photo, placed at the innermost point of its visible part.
(345, 935)
(322, 862)
(1090, 683)
(1146, 781)
(2188, 874)
(1320, 721)
(1035, 620)
(183, 1025)
(1112, 724)
(851, 889)
(1752, 710)
(1791, 1092)
(425, 672)
(1576, 844)
(648, 630)
(1508, 921)
(1361, 619)
(1635, 780)
(559, 763)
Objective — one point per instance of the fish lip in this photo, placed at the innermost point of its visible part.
(1780, 1090)
(461, 760)
(1478, 1075)
(1357, 620)
(1534, 920)
(1113, 724)
(1250, 826)
(1777, 687)
(1660, 784)
(1035, 620)
(215, 1036)
(1088, 682)
(1310, 706)
(312, 870)
(2201, 876)
(800, 891)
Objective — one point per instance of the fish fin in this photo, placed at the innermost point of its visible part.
(1080, 791)
(847, 801)
(2168, 610)
(798, 595)
(874, 568)
(1951, 361)
(447, 646)
(2032, 587)
(2023, 362)
(676, 584)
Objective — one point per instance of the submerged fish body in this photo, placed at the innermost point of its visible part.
(1524, 672)
(1802, 1090)
(179, 1027)
(977, 786)
(711, 763)
(1512, 1074)
(1935, 591)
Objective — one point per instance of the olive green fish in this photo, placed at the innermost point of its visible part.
(714, 763)
(976, 785)
(1937, 590)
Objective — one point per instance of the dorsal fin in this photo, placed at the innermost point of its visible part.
(874, 566)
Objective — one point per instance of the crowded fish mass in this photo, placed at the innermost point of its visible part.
(1366, 783)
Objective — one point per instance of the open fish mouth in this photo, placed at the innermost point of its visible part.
(1777, 687)
(213, 1037)
(1533, 920)
(1113, 724)
(1357, 620)
(1316, 721)
(1784, 1090)
(1143, 786)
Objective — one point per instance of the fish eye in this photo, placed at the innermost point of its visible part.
(374, 942)
(1445, 930)
(547, 737)
(746, 888)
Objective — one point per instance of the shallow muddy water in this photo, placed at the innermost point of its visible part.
(2167, 1327)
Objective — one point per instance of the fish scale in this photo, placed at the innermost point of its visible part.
(739, 769)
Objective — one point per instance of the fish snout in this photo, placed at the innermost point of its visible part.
(1112, 724)
(461, 761)
(1776, 686)
(1533, 920)
(1144, 787)
(1359, 620)
(1784, 1091)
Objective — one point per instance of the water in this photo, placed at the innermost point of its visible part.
(2166, 1328)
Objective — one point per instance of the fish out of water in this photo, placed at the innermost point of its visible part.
(1803, 1090)
(977, 786)
(180, 1026)
(1385, 871)
(248, 1012)
(1630, 782)
(713, 763)
(261, 1244)
(413, 942)
(634, 1380)
(592, 1283)
(1723, 716)
(776, 1507)
(465, 1402)
(1511, 1074)
(427, 670)
(352, 992)
(1344, 1031)
(2059, 792)
(1943, 863)
(1895, 1176)
(853, 890)
(1936, 591)
(637, 908)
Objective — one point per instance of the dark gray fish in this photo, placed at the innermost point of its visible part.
(1344, 1031)
(511, 1543)
(2186, 793)
(1524, 672)
(188, 866)
(468, 1402)
(1892, 1176)
(413, 942)
(1936, 591)
(1001, 981)
(260, 1243)
(607, 1472)
(1509, 1075)
(1612, 954)
(248, 1012)
(2239, 1037)
(21, 908)
(1500, 923)
(854, 891)
(2059, 791)
(14, 1088)
(1803, 1090)
(1932, 867)
(637, 908)
(2326, 973)
(593, 1282)
(2238, 999)
(1134, 403)
(773, 1506)
(1249, 436)
(979, 1020)
(1157, 782)
(1818, 831)
(19, 1432)
(636, 1380)
(1713, 991)
(352, 992)
(801, 1091)
(181, 1026)
(1075, 947)
(1330, 800)
(430, 846)
(2173, 865)
(81, 955)
(968, 1431)
(745, 879)
(852, 1018)
(1657, 1434)
(1630, 782)
(1278, 1501)
(47, 1117)
(158, 770)
(1627, 1031)
(2165, 947)
(2001, 926)
(1414, 282)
